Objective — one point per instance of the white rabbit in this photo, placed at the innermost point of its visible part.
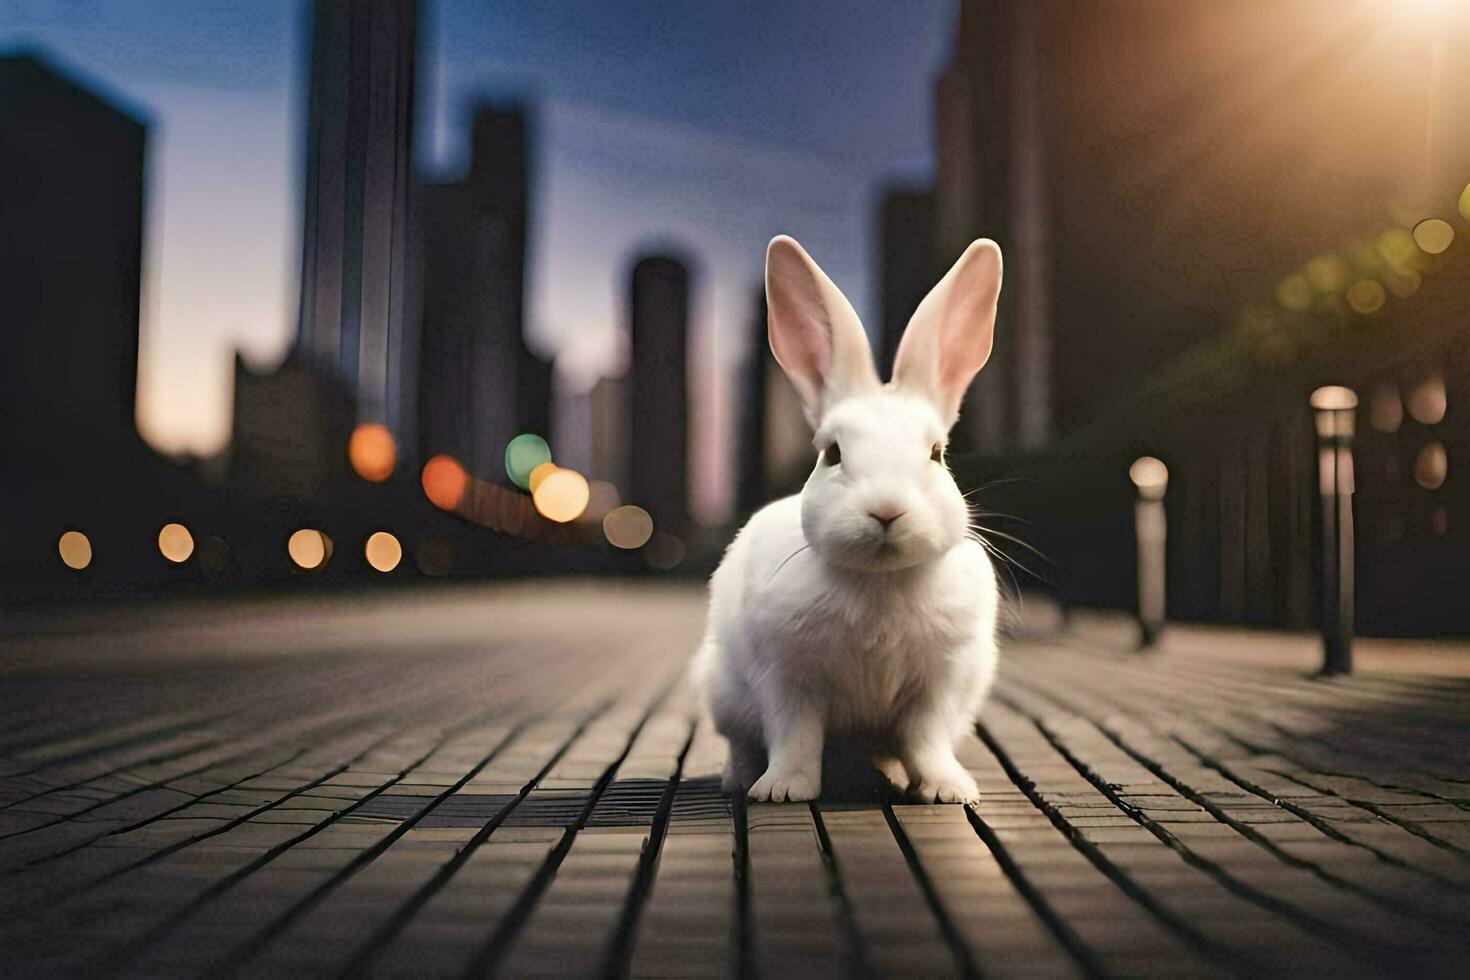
(860, 608)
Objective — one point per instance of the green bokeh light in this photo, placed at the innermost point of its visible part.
(522, 455)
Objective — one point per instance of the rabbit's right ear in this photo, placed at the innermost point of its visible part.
(814, 331)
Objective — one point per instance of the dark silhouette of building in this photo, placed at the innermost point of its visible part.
(291, 427)
(71, 172)
(906, 266)
(659, 397)
(358, 298)
(1206, 214)
(72, 177)
(991, 182)
(480, 385)
(751, 491)
(607, 405)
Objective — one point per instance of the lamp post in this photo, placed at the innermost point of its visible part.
(1335, 408)
(1151, 477)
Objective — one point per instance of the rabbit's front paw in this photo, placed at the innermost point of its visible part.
(789, 785)
(949, 784)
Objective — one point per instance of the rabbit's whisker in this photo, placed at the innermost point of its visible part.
(786, 559)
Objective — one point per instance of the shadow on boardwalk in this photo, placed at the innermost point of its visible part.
(515, 781)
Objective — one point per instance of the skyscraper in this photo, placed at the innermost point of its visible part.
(991, 182)
(906, 268)
(480, 385)
(71, 171)
(358, 306)
(659, 406)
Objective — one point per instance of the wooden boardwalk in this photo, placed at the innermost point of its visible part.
(514, 782)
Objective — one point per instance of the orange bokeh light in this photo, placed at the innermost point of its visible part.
(561, 495)
(538, 474)
(445, 482)
(372, 452)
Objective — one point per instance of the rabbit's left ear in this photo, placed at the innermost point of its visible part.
(949, 337)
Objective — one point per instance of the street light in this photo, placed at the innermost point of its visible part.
(1151, 477)
(1335, 410)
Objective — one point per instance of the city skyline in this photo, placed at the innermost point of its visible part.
(228, 109)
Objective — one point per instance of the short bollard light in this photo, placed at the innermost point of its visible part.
(1335, 409)
(1151, 477)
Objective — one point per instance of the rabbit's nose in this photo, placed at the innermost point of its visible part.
(886, 515)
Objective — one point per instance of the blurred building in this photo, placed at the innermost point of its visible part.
(71, 172)
(607, 406)
(751, 488)
(358, 296)
(72, 178)
(480, 385)
(906, 267)
(291, 427)
(658, 478)
(1206, 212)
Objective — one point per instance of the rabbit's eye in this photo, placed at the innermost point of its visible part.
(937, 453)
(832, 455)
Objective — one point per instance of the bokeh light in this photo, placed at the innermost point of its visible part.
(1397, 247)
(372, 452)
(1428, 401)
(628, 527)
(1366, 296)
(383, 551)
(1463, 204)
(1328, 273)
(533, 482)
(444, 482)
(434, 556)
(1432, 466)
(561, 495)
(75, 549)
(1294, 292)
(1403, 283)
(175, 543)
(522, 455)
(664, 551)
(1433, 235)
(309, 548)
(1385, 408)
(1150, 476)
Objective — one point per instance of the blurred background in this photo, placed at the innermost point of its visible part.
(306, 295)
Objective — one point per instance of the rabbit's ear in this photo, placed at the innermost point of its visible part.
(815, 334)
(949, 337)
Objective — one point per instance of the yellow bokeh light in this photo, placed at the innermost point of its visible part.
(561, 495)
(175, 543)
(1397, 247)
(372, 452)
(75, 549)
(1366, 296)
(628, 527)
(1433, 235)
(1463, 205)
(1403, 283)
(308, 548)
(445, 482)
(383, 551)
(1327, 273)
(541, 472)
(1432, 466)
(1294, 292)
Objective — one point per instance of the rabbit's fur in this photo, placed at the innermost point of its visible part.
(860, 609)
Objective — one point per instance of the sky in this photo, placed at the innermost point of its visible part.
(700, 128)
